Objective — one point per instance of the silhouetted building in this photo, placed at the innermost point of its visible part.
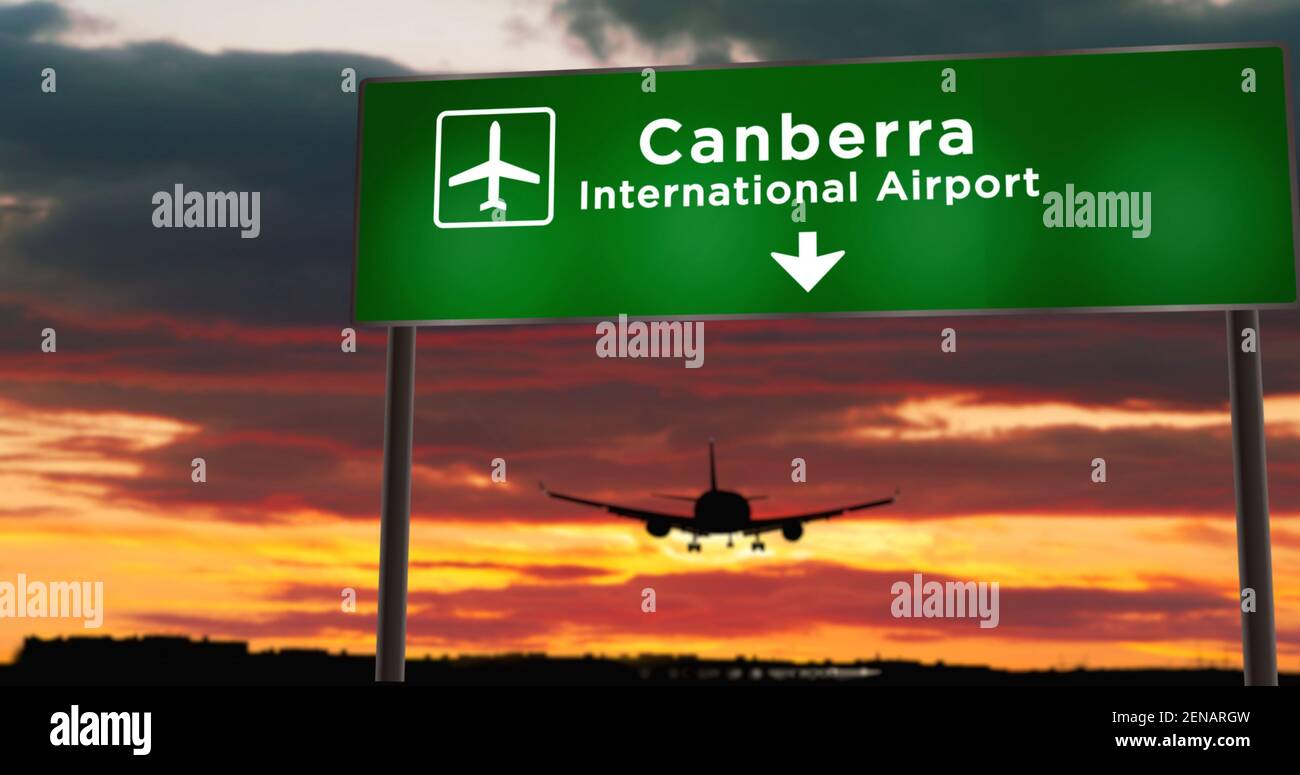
(156, 659)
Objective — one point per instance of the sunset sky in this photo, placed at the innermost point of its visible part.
(176, 344)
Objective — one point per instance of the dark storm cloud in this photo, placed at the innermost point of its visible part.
(776, 29)
(31, 19)
(126, 122)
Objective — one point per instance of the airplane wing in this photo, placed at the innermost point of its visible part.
(776, 523)
(672, 520)
(477, 172)
(507, 170)
(492, 167)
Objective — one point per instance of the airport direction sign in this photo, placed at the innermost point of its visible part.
(1105, 180)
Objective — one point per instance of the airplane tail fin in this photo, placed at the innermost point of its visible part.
(492, 204)
(713, 469)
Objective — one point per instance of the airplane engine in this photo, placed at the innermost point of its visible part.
(792, 531)
(657, 528)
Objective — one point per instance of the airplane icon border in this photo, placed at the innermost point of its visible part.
(437, 170)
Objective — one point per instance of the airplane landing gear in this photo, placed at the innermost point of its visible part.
(693, 546)
(758, 545)
(730, 543)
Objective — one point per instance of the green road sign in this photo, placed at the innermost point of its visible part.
(1133, 179)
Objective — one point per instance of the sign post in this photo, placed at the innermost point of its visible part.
(395, 505)
(1250, 478)
(1154, 179)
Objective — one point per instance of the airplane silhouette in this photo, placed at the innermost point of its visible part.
(494, 169)
(719, 511)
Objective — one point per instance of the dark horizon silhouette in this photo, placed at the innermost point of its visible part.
(177, 660)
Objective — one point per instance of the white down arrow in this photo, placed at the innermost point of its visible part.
(808, 268)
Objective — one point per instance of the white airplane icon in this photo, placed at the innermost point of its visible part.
(494, 169)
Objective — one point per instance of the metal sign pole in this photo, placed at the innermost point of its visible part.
(395, 505)
(1250, 476)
